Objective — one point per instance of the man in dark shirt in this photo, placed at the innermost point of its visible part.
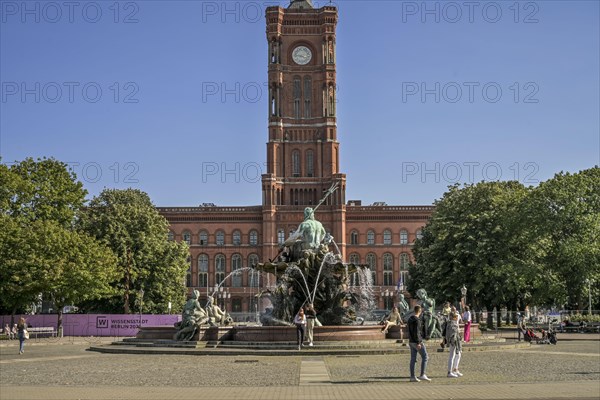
(311, 316)
(415, 335)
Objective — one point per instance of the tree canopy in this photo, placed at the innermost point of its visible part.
(511, 245)
(127, 222)
(41, 252)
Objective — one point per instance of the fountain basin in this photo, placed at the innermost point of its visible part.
(268, 333)
(243, 333)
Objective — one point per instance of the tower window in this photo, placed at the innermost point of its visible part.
(297, 96)
(296, 163)
(309, 163)
(307, 96)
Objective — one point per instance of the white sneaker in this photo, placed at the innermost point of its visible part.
(299, 347)
(452, 375)
(311, 344)
(457, 373)
(415, 379)
(425, 378)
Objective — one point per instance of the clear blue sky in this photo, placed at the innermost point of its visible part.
(157, 126)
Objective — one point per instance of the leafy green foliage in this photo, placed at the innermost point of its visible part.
(512, 246)
(128, 223)
(40, 251)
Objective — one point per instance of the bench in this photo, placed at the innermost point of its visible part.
(591, 327)
(43, 330)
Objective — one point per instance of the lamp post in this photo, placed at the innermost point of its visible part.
(463, 300)
(141, 304)
(589, 282)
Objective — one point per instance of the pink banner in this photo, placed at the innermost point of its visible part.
(117, 325)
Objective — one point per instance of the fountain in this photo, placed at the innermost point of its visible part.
(308, 269)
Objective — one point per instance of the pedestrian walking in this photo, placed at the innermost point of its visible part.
(415, 334)
(520, 326)
(22, 333)
(454, 346)
(467, 320)
(300, 322)
(311, 316)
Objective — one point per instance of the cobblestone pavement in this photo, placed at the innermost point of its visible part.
(55, 371)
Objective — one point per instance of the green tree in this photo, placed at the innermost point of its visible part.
(472, 239)
(40, 251)
(21, 274)
(42, 190)
(128, 223)
(562, 219)
(76, 266)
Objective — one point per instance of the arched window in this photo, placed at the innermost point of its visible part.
(236, 304)
(419, 234)
(220, 238)
(170, 236)
(253, 304)
(220, 269)
(388, 266)
(203, 270)
(387, 237)
(236, 264)
(404, 260)
(187, 237)
(297, 96)
(296, 163)
(370, 237)
(188, 276)
(372, 263)
(310, 168)
(203, 237)
(354, 237)
(403, 236)
(307, 97)
(253, 238)
(237, 238)
(253, 275)
(280, 236)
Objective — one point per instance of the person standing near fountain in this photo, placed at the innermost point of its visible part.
(311, 317)
(416, 344)
(300, 322)
(454, 345)
(467, 320)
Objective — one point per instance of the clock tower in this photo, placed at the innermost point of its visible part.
(302, 150)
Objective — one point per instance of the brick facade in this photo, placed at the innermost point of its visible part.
(302, 163)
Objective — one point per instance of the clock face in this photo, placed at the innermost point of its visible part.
(302, 55)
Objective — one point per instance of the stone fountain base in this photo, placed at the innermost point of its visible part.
(268, 333)
(242, 333)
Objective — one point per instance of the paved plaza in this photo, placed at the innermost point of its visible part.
(64, 369)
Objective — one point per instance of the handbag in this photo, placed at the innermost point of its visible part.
(26, 334)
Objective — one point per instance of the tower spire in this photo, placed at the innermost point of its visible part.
(301, 4)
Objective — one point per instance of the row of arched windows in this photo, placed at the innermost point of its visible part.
(387, 237)
(309, 166)
(388, 265)
(221, 271)
(220, 238)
